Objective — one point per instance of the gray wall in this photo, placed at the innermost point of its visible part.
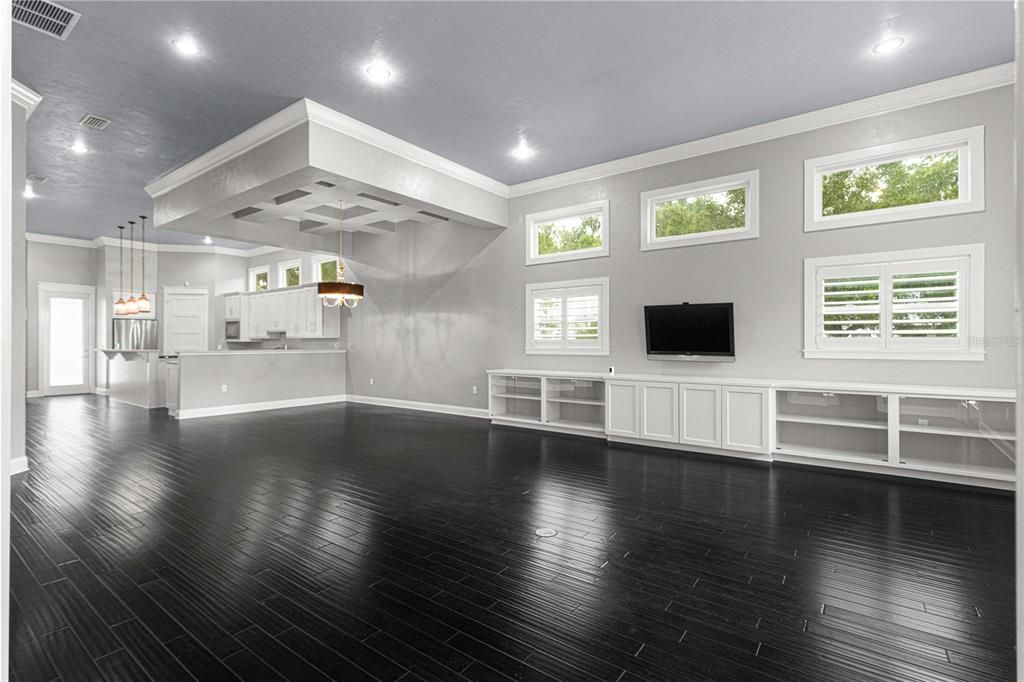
(52, 263)
(445, 303)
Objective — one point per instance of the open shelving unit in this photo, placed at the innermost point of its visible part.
(567, 403)
(930, 436)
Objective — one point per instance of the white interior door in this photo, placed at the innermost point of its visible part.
(66, 336)
(186, 321)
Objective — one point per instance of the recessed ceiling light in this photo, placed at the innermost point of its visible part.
(29, 193)
(79, 147)
(207, 240)
(889, 45)
(522, 151)
(187, 46)
(378, 72)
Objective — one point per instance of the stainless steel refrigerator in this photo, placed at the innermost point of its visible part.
(134, 334)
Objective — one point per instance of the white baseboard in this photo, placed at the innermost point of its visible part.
(33, 394)
(19, 465)
(425, 407)
(686, 447)
(196, 412)
(101, 391)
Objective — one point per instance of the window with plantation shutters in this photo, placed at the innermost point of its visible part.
(925, 304)
(568, 318)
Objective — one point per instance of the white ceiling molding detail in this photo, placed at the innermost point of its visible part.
(100, 242)
(947, 88)
(307, 110)
(25, 97)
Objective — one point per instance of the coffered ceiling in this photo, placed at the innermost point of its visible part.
(583, 82)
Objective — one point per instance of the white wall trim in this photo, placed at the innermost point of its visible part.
(442, 408)
(25, 97)
(308, 111)
(59, 241)
(101, 391)
(926, 93)
(19, 465)
(240, 408)
(33, 394)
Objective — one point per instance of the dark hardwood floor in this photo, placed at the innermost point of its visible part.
(353, 542)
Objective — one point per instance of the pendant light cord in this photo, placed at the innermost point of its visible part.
(341, 241)
(120, 261)
(131, 260)
(143, 254)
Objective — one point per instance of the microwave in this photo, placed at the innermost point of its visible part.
(232, 330)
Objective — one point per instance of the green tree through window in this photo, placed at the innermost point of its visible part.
(918, 180)
(291, 277)
(329, 271)
(706, 213)
(573, 234)
(262, 281)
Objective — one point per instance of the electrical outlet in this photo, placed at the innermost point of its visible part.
(371, 381)
(223, 388)
(922, 422)
(474, 390)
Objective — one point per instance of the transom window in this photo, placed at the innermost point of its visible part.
(259, 278)
(289, 273)
(920, 304)
(567, 318)
(327, 270)
(568, 233)
(921, 178)
(702, 212)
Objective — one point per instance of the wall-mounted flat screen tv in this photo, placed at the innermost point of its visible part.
(690, 331)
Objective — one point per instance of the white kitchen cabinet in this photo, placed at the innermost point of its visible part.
(623, 408)
(171, 387)
(745, 410)
(296, 312)
(700, 415)
(233, 307)
(258, 316)
(659, 412)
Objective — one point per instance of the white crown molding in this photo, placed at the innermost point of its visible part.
(363, 132)
(947, 88)
(304, 111)
(100, 242)
(59, 241)
(26, 97)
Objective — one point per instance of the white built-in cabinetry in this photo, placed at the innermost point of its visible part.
(944, 434)
(295, 312)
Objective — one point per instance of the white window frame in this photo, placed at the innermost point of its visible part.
(560, 288)
(319, 261)
(968, 346)
(535, 220)
(255, 271)
(650, 199)
(970, 142)
(284, 265)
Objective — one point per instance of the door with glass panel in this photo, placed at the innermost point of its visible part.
(66, 319)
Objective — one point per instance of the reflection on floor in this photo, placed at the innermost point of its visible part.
(349, 542)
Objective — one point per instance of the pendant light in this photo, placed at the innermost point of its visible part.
(144, 305)
(119, 305)
(131, 305)
(340, 292)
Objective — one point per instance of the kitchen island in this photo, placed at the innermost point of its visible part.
(230, 382)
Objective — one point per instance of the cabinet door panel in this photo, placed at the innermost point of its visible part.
(623, 409)
(700, 415)
(746, 418)
(659, 409)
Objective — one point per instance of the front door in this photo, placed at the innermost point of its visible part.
(66, 318)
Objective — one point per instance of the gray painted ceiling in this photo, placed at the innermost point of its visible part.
(585, 82)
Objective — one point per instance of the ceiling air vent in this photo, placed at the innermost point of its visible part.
(290, 196)
(432, 215)
(37, 179)
(94, 122)
(45, 17)
(380, 199)
(324, 183)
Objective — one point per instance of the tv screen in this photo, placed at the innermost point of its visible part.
(697, 329)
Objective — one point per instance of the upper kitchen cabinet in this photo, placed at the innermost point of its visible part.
(296, 313)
